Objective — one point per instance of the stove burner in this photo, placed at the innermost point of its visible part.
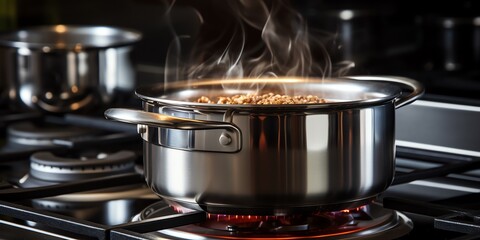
(42, 134)
(47, 168)
(111, 206)
(367, 222)
(317, 221)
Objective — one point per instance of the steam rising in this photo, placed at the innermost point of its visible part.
(252, 39)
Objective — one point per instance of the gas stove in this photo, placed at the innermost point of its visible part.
(81, 177)
(366, 222)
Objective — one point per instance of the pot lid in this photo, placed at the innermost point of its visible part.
(344, 92)
(69, 37)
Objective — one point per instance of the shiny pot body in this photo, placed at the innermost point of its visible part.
(66, 68)
(287, 161)
(270, 160)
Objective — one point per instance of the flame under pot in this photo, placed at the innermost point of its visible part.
(271, 159)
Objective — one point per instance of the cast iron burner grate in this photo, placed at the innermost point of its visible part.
(366, 222)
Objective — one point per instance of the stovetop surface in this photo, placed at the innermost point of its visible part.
(436, 185)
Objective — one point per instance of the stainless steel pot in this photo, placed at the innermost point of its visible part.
(271, 159)
(66, 68)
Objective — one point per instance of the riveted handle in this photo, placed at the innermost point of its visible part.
(228, 135)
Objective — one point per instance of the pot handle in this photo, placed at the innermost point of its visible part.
(164, 121)
(228, 135)
(415, 88)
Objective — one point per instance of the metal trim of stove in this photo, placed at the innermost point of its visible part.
(440, 126)
(437, 148)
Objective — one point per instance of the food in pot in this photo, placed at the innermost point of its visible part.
(265, 99)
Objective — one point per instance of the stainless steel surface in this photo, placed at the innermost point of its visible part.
(437, 126)
(414, 89)
(66, 68)
(333, 156)
(69, 37)
(165, 121)
(287, 161)
(344, 92)
(228, 135)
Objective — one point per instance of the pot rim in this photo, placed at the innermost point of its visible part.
(372, 93)
(69, 37)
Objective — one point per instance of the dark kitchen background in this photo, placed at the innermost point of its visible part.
(438, 44)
